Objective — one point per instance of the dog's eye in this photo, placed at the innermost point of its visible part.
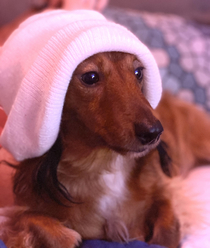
(139, 73)
(90, 78)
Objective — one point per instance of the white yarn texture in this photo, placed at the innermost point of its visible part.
(36, 66)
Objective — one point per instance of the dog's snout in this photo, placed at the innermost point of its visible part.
(148, 135)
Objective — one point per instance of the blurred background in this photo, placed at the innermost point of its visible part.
(194, 9)
(185, 8)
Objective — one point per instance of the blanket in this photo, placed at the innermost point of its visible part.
(105, 244)
(2, 245)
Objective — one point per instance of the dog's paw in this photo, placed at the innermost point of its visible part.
(20, 228)
(75, 237)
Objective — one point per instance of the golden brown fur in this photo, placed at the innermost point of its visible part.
(118, 184)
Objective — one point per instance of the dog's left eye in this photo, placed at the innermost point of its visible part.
(90, 78)
(139, 73)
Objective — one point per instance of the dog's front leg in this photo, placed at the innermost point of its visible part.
(21, 228)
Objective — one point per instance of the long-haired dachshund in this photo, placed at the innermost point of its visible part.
(109, 173)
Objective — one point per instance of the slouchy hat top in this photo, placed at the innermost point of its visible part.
(36, 66)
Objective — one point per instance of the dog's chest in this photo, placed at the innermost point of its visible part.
(105, 194)
(114, 186)
(115, 194)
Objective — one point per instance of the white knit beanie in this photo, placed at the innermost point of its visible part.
(36, 66)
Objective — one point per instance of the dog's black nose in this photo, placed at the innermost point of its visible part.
(147, 135)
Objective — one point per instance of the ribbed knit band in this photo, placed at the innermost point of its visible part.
(36, 66)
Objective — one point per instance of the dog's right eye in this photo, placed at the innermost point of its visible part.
(139, 73)
(90, 78)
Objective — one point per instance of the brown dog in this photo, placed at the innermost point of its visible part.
(107, 175)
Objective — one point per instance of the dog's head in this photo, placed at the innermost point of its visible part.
(105, 106)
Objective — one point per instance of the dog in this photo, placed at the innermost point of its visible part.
(108, 174)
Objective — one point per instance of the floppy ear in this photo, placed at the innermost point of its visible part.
(45, 176)
(161, 225)
(41, 173)
(165, 159)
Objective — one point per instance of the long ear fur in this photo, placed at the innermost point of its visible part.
(165, 160)
(44, 175)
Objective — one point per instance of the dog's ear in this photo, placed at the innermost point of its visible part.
(41, 175)
(165, 159)
(161, 225)
(45, 177)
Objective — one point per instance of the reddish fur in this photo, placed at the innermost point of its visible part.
(101, 119)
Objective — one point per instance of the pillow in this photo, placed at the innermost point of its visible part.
(181, 48)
